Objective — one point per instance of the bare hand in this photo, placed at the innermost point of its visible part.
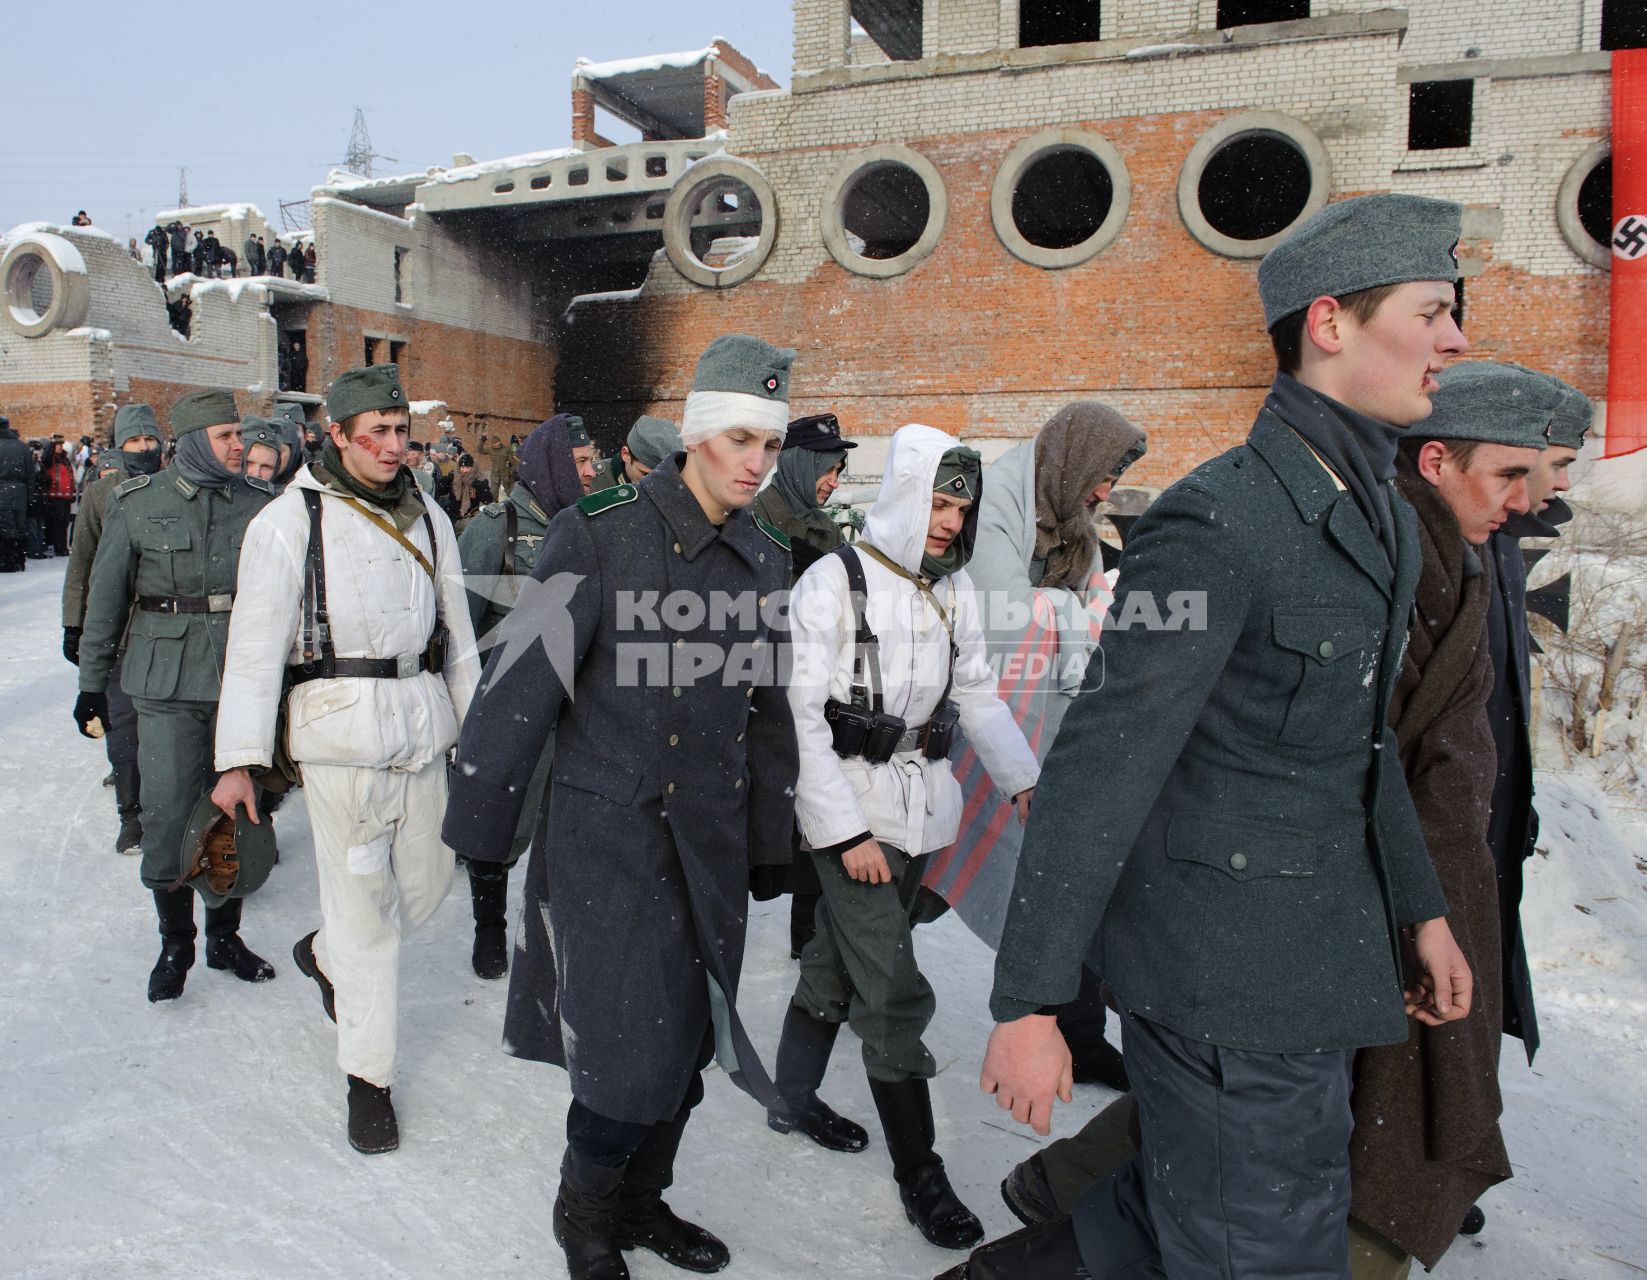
(1026, 1064)
(235, 789)
(1021, 803)
(1445, 985)
(865, 861)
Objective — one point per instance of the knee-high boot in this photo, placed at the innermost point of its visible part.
(130, 839)
(930, 1202)
(225, 950)
(489, 892)
(175, 910)
(803, 1057)
(584, 1226)
(644, 1220)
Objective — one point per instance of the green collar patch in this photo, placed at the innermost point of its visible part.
(605, 499)
(772, 531)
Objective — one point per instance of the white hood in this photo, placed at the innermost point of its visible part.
(897, 523)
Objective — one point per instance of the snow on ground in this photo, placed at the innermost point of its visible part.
(206, 1138)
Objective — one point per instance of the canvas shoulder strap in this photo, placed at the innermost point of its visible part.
(396, 534)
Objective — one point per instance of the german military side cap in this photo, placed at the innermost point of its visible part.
(960, 473)
(1573, 416)
(740, 382)
(1360, 244)
(256, 430)
(133, 420)
(223, 857)
(651, 440)
(1492, 402)
(820, 432)
(576, 433)
(201, 409)
(292, 412)
(376, 386)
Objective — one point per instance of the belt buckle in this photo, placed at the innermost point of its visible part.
(220, 603)
(406, 666)
(168, 605)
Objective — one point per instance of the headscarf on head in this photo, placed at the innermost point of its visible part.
(1075, 451)
(199, 464)
(796, 480)
(546, 466)
(966, 466)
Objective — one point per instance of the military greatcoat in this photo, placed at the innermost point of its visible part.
(675, 766)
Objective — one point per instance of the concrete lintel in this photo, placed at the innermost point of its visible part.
(1555, 64)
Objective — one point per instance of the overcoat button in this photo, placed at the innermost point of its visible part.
(1238, 861)
(674, 739)
(676, 691)
(1326, 649)
(677, 548)
(739, 738)
(737, 784)
(670, 788)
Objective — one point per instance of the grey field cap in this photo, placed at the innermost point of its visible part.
(133, 420)
(651, 440)
(1492, 402)
(1573, 416)
(1360, 244)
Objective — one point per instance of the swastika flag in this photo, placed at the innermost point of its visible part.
(1627, 344)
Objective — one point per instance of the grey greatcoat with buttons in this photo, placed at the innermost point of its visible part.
(666, 788)
(1222, 826)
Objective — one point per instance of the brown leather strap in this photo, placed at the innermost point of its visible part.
(394, 533)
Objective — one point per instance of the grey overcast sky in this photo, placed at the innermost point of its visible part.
(117, 97)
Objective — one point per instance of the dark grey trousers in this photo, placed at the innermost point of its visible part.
(860, 966)
(1244, 1172)
(174, 752)
(120, 743)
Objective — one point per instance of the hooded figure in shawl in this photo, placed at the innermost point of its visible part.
(1039, 564)
(809, 470)
(499, 549)
(869, 817)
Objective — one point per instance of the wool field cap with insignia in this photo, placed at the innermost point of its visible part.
(223, 857)
(292, 413)
(576, 433)
(820, 432)
(1492, 402)
(960, 473)
(201, 409)
(651, 440)
(376, 386)
(259, 430)
(1573, 416)
(1360, 244)
(740, 382)
(133, 420)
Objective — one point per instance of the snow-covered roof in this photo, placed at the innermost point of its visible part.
(55, 229)
(468, 172)
(209, 212)
(651, 62)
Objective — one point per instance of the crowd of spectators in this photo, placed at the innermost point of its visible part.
(173, 253)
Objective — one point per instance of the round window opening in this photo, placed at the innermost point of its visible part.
(885, 210)
(1255, 186)
(29, 290)
(720, 222)
(725, 223)
(1595, 203)
(1062, 199)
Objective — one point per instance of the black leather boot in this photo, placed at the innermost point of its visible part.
(303, 955)
(225, 950)
(905, 1109)
(175, 909)
(489, 892)
(373, 1128)
(643, 1220)
(1046, 1251)
(803, 1057)
(130, 839)
(585, 1208)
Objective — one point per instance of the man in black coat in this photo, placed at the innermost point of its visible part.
(647, 642)
(1251, 879)
(213, 250)
(277, 259)
(177, 236)
(157, 240)
(16, 484)
(198, 253)
(1513, 826)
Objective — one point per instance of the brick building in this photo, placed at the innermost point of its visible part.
(962, 212)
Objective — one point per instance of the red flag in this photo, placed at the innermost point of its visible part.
(1627, 345)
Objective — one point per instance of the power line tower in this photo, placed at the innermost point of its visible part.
(358, 158)
(183, 188)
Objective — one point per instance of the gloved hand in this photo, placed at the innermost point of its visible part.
(766, 881)
(71, 644)
(91, 711)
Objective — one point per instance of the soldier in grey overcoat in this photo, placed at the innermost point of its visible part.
(647, 646)
(1250, 879)
(167, 561)
(136, 453)
(499, 548)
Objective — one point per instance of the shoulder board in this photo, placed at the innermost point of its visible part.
(605, 499)
(131, 486)
(772, 531)
(493, 509)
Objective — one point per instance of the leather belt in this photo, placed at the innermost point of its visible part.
(220, 603)
(401, 668)
(912, 740)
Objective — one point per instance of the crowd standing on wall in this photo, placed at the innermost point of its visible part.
(1326, 760)
(172, 252)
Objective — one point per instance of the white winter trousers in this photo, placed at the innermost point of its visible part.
(383, 871)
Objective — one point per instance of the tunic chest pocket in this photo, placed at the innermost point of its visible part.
(166, 553)
(1325, 649)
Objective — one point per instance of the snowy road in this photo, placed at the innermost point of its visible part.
(205, 1138)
